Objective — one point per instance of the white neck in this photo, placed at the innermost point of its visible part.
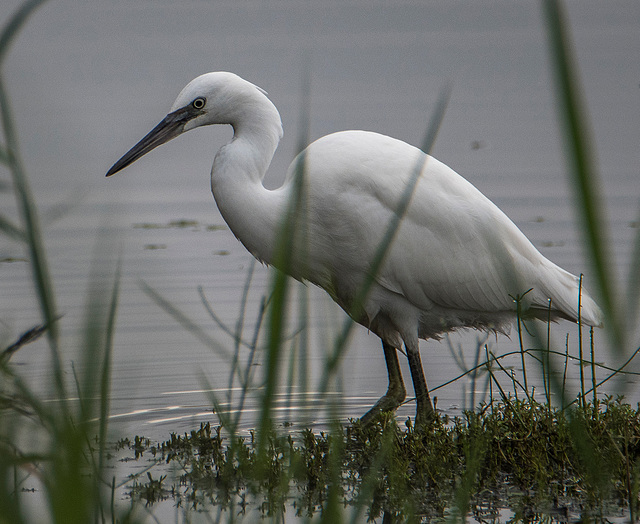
(253, 212)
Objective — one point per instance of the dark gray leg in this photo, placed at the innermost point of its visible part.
(396, 392)
(424, 411)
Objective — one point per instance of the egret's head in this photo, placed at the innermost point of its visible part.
(212, 98)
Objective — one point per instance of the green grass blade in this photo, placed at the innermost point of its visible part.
(387, 239)
(579, 149)
(11, 230)
(292, 242)
(14, 25)
(29, 217)
(5, 159)
(276, 322)
(105, 376)
(26, 205)
(633, 281)
(247, 379)
(179, 316)
(218, 321)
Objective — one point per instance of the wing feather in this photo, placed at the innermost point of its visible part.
(453, 249)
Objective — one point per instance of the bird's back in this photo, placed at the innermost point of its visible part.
(455, 260)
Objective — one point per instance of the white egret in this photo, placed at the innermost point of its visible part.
(456, 260)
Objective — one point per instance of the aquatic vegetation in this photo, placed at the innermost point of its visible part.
(518, 454)
(183, 223)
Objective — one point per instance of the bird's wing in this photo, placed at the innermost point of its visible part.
(453, 248)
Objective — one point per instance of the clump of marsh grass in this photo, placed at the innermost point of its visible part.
(521, 454)
(65, 452)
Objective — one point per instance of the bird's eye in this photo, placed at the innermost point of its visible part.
(199, 102)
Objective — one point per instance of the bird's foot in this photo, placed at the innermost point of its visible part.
(388, 402)
(424, 412)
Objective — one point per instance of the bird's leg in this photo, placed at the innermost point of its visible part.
(424, 410)
(396, 392)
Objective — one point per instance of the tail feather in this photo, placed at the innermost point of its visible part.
(590, 312)
(570, 300)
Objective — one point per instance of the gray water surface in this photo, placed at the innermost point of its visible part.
(88, 80)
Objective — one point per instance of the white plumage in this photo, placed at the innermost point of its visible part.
(456, 260)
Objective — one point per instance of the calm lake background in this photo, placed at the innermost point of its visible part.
(87, 80)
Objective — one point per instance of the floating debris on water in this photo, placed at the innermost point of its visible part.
(182, 223)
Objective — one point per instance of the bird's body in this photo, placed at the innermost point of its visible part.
(455, 261)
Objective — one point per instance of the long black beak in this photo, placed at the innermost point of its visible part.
(170, 127)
